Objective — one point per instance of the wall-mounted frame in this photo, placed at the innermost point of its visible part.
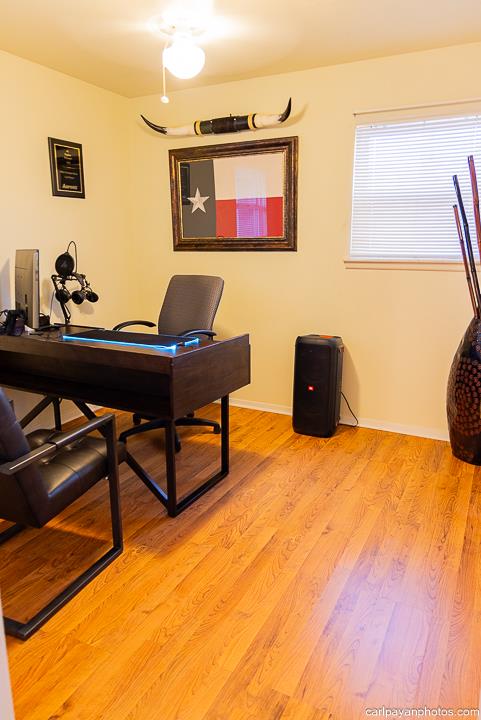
(235, 196)
(66, 168)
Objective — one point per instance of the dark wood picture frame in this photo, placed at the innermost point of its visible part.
(66, 168)
(179, 162)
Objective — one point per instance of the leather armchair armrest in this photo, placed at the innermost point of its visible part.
(13, 466)
(50, 448)
(123, 325)
(62, 439)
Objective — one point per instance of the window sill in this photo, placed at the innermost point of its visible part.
(437, 265)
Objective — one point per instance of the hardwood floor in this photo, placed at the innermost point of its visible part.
(320, 578)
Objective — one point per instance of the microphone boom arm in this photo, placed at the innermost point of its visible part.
(65, 267)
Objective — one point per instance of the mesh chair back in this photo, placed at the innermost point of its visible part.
(18, 493)
(190, 303)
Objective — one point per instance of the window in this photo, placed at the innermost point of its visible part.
(403, 194)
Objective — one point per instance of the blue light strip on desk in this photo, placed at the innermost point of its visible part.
(194, 341)
(173, 348)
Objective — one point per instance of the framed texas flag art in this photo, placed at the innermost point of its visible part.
(235, 196)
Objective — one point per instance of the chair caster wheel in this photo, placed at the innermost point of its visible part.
(216, 430)
(136, 419)
(178, 447)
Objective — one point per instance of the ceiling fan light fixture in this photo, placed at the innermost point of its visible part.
(183, 58)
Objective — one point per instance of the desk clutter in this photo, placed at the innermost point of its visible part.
(12, 322)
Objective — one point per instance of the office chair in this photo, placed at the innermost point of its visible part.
(43, 473)
(189, 308)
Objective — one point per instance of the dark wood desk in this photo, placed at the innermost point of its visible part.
(165, 384)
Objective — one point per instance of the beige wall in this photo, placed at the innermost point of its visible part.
(38, 103)
(400, 327)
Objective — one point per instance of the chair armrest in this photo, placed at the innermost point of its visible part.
(209, 333)
(122, 325)
(13, 466)
(63, 439)
(50, 448)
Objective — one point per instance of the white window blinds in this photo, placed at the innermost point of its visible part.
(403, 194)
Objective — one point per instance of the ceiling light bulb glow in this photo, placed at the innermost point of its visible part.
(184, 58)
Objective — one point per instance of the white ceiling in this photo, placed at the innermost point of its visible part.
(110, 43)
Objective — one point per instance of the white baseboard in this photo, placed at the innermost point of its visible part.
(265, 407)
(372, 424)
(417, 430)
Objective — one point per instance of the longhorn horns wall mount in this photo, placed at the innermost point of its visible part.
(229, 124)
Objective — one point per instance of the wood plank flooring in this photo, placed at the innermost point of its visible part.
(320, 578)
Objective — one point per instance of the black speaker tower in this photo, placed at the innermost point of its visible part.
(317, 384)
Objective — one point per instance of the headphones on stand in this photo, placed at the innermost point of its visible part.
(65, 268)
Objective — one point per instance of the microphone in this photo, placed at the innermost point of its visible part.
(91, 296)
(65, 267)
(62, 295)
(85, 292)
(78, 296)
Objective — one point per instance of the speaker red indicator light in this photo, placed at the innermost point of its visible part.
(310, 388)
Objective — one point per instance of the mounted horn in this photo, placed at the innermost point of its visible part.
(216, 126)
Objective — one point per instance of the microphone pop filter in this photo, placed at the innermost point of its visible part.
(64, 265)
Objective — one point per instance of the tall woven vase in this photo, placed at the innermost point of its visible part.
(464, 397)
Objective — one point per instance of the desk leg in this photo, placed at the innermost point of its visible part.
(57, 414)
(169, 498)
(224, 465)
(170, 469)
(224, 439)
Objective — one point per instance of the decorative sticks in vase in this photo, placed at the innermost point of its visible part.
(464, 384)
(465, 242)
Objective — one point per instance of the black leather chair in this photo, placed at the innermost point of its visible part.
(44, 472)
(189, 308)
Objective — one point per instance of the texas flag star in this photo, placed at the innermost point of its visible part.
(198, 201)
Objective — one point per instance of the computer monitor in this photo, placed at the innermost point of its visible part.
(27, 294)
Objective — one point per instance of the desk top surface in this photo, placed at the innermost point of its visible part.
(146, 344)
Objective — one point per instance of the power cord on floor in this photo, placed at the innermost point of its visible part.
(350, 409)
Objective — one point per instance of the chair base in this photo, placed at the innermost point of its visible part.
(144, 427)
(24, 630)
(198, 422)
(158, 424)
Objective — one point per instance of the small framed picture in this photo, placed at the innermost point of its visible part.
(66, 168)
(235, 196)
